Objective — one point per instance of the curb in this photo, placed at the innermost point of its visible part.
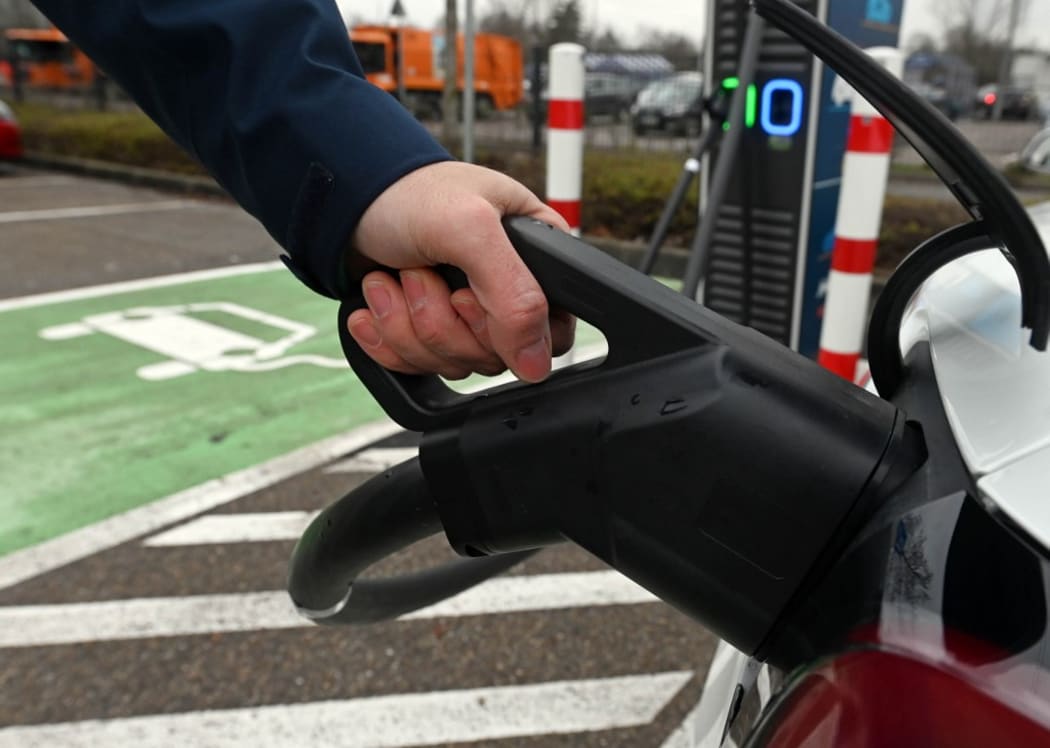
(165, 180)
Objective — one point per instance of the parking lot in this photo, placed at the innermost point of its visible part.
(176, 408)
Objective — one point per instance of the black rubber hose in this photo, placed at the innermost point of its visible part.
(884, 350)
(384, 515)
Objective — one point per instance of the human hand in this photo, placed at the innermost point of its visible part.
(449, 213)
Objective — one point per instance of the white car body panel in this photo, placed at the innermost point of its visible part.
(996, 393)
(995, 387)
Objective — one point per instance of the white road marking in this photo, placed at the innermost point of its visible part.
(194, 344)
(141, 618)
(217, 529)
(30, 562)
(142, 284)
(684, 736)
(417, 719)
(374, 460)
(93, 211)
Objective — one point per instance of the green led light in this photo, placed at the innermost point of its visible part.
(751, 113)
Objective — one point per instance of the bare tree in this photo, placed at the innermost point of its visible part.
(678, 48)
(983, 17)
(980, 31)
(509, 18)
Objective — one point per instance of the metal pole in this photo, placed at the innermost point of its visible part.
(697, 265)
(537, 97)
(101, 92)
(1006, 61)
(449, 116)
(401, 94)
(468, 85)
(17, 79)
(690, 169)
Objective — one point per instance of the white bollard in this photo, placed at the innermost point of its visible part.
(865, 172)
(565, 132)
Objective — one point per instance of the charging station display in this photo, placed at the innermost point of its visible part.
(770, 254)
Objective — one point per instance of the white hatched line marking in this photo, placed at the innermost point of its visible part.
(140, 618)
(51, 554)
(235, 528)
(374, 460)
(394, 721)
(142, 284)
(92, 211)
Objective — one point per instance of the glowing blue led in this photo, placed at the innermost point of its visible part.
(793, 125)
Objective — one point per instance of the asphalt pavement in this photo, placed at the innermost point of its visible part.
(163, 619)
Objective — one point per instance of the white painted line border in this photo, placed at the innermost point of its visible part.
(249, 527)
(392, 721)
(373, 460)
(94, 211)
(141, 284)
(149, 617)
(25, 564)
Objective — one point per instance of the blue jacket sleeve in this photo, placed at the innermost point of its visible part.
(269, 96)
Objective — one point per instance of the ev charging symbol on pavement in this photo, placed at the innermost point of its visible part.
(193, 344)
(880, 11)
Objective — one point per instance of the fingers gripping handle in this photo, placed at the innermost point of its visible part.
(639, 317)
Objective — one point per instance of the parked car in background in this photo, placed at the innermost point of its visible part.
(608, 95)
(941, 100)
(10, 134)
(673, 105)
(1017, 103)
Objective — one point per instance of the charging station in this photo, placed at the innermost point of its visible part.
(770, 254)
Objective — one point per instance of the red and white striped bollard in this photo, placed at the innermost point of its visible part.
(565, 131)
(865, 172)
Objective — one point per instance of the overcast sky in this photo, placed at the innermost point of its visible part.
(629, 17)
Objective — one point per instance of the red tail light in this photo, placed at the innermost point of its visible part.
(877, 699)
(989, 99)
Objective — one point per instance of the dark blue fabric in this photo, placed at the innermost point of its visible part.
(269, 96)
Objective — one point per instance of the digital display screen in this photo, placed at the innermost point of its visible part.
(777, 109)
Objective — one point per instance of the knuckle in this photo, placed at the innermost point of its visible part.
(475, 210)
(428, 333)
(526, 308)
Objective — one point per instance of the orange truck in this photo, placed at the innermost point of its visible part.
(46, 58)
(498, 70)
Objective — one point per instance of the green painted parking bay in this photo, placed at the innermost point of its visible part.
(113, 401)
(109, 403)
